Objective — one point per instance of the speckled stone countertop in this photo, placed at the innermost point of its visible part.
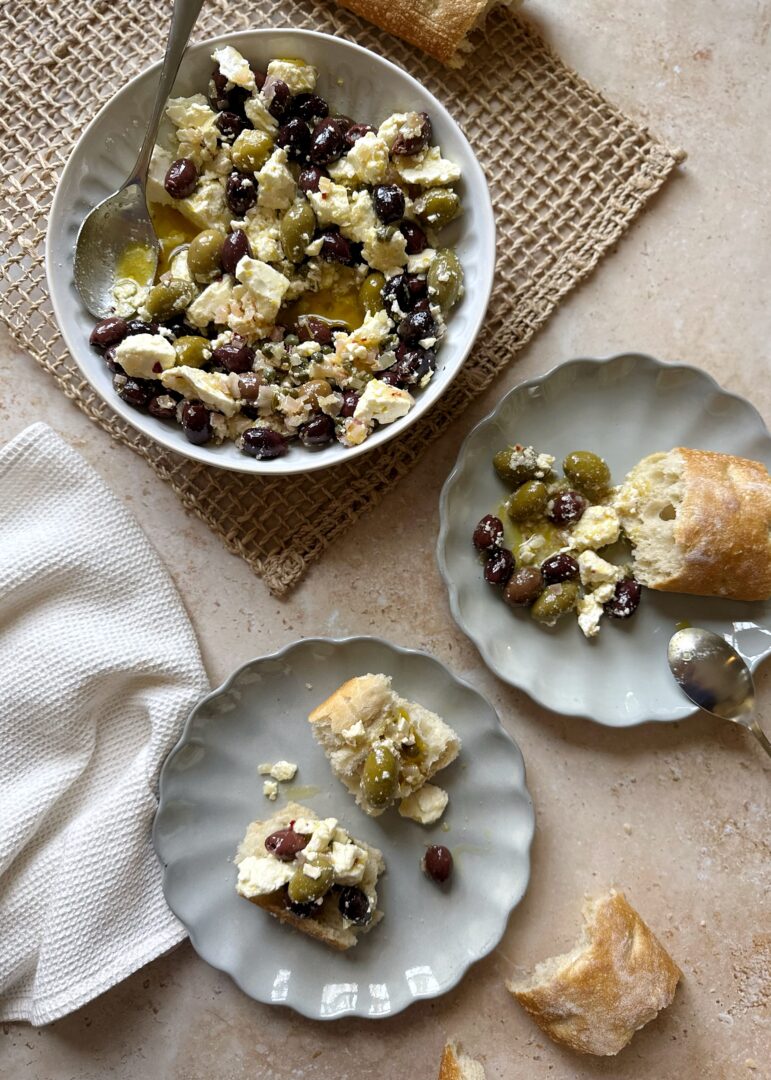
(678, 816)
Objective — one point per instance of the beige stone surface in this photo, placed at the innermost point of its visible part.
(676, 815)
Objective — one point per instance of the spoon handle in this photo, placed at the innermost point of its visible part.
(183, 20)
(759, 734)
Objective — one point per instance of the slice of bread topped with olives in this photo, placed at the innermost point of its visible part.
(310, 873)
(384, 748)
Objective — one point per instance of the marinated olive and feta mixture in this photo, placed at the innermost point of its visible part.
(540, 547)
(303, 288)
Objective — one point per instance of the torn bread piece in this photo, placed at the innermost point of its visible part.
(456, 1065)
(310, 873)
(615, 980)
(381, 746)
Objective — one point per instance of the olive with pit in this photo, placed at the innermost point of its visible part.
(204, 255)
(313, 390)
(513, 467)
(169, 298)
(524, 587)
(304, 889)
(555, 601)
(284, 844)
(528, 501)
(380, 776)
(297, 228)
(251, 150)
(354, 906)
(371, 292)
(192, 351)
(437, 207)
(588, 472)
(445, 278)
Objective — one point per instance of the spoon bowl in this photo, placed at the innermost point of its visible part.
(715, 677)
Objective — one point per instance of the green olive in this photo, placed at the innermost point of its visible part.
(445, 278)
(437, 207)
(168, 298)
(414, 750)
(203, 255)
(371, 292)
(297, 228)
(251, 150)
(555, 600)
(380, 776)
(192, 351)
(513, 474)
(588, 472)
(304, 889)
(528, 501)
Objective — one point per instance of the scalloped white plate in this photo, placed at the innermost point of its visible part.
(210, 791)
(623, 407)
(370, 89)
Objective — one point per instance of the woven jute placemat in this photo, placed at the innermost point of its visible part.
(568, 172)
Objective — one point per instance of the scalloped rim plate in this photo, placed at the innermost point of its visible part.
(210, 791)
(623, 407)
(372, 88)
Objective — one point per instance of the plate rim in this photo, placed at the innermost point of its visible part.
(528, 809)
(251, 467)
(444, 526)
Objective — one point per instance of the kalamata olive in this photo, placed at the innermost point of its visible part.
(354, 905)
(309, 107)
(566, 508)
(230, 125)
(249, 385)
(388, 200)
(302, 911)
(285, 843)
(350, 401)
(396, 297)
(417, 288)
(138, 326)
(196, 422)
(356, 132)
(181, 178)
(559, 568)
(380, 776)
(413, 143)
(178, 327)
(278, 96)
(315, 328)
(327, 142)
(262, 442)
(416, 325)
(135, 392)
(108, 332)
(240, 193)
(303, 888)
(499, 567)
(391, 377)
(309, 177)
(162, 407)
(336, 248)
(218, 97)
(524, 587)
(415, 364)
(414, 238)
(437, 863)
(295, 138)
(235, 356)
(489, 533)
(110, 360)
(318, 431)
(234, 248)
(588, 472)
(625, 600)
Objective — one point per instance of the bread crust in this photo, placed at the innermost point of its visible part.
(360, 698)
(615, 981)
(456, 1066)
(722, 531)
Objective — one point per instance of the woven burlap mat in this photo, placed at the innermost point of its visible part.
(568, 172)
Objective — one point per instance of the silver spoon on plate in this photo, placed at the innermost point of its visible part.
(122, 221)
(716, 678)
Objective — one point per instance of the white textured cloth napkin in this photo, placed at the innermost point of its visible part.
(98, 668)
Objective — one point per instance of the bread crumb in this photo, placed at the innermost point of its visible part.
(445, 827)
(750, 1063)
(309, 686)
(703, 922)
(270, 790)
(627, 828)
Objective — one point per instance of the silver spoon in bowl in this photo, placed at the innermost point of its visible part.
(715, 677)
(123, 219)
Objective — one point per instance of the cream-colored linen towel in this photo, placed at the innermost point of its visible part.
(99, 667)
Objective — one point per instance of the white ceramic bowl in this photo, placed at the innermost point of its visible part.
(371, 89)
(623, 408)
(210, 791)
